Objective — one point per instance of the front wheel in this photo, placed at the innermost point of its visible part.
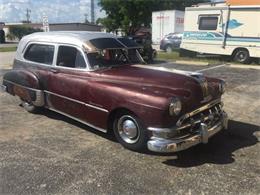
(130, 132)
(168, 49)
(29, 107)
(242, 56)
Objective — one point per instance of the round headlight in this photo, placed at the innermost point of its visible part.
(175, 107)
(222, 87)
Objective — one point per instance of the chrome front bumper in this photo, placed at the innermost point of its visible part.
(159, 143)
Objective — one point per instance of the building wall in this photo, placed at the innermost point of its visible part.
(32, 25)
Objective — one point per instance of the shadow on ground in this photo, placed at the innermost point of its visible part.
(57, 116)
(220, 148)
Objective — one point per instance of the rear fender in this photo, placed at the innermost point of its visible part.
(24, 84)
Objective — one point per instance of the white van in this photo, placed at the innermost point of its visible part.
(219, 28)
(166, 22)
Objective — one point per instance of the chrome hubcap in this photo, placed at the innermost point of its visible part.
(241, 56)
(168, 49)
(128, 129)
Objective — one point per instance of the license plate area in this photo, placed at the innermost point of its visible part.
(22, 92)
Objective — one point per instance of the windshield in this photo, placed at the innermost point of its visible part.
(106, 58)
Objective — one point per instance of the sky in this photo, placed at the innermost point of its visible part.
(56, 10)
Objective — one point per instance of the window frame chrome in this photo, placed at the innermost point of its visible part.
(55, 55)
(79, 49)
(39, 43)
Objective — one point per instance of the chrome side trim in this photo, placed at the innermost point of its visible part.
(79, 120)
(21, 85)
(77, 101)
(39, 101)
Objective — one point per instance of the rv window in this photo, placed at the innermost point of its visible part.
(208, 23)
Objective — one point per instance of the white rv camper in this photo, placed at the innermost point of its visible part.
(165, 22)
(230, 28)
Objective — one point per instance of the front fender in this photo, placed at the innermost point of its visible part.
(148, 113)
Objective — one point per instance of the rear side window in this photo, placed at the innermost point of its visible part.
(70, 57)
(40, 53)
(208, 23)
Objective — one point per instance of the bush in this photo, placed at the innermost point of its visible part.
(2, 36)
(20, 31)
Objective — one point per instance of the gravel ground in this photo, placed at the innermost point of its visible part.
(6, 58)
(50, 154)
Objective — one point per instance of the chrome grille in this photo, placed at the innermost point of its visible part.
(209, 114)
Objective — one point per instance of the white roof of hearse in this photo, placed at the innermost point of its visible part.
(77, 38)
(67, 36)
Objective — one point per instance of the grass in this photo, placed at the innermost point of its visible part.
(174, 56)
(7, 49)
(210, 59)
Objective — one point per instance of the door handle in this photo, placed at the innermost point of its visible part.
(53, 70)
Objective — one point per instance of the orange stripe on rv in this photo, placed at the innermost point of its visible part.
(243, 2)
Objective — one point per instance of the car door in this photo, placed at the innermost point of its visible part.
(69, 87)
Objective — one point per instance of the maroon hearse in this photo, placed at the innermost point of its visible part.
(100, 80)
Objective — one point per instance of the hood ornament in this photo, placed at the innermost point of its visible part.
(201, 79)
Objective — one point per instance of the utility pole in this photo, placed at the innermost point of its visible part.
(92, 11)
(28, 12)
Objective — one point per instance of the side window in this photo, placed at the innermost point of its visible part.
(208, 23)
(70, 57)
(40, 53)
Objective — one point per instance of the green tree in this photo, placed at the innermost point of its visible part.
(20, 31)
(130, 15)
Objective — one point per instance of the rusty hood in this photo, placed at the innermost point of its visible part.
(161, 82)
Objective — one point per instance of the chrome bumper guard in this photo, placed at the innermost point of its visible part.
(159, 143)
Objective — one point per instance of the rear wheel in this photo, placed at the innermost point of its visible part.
(242, 56)
(130, 132)
(168, 49)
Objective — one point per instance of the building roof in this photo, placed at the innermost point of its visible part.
(77, 23)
